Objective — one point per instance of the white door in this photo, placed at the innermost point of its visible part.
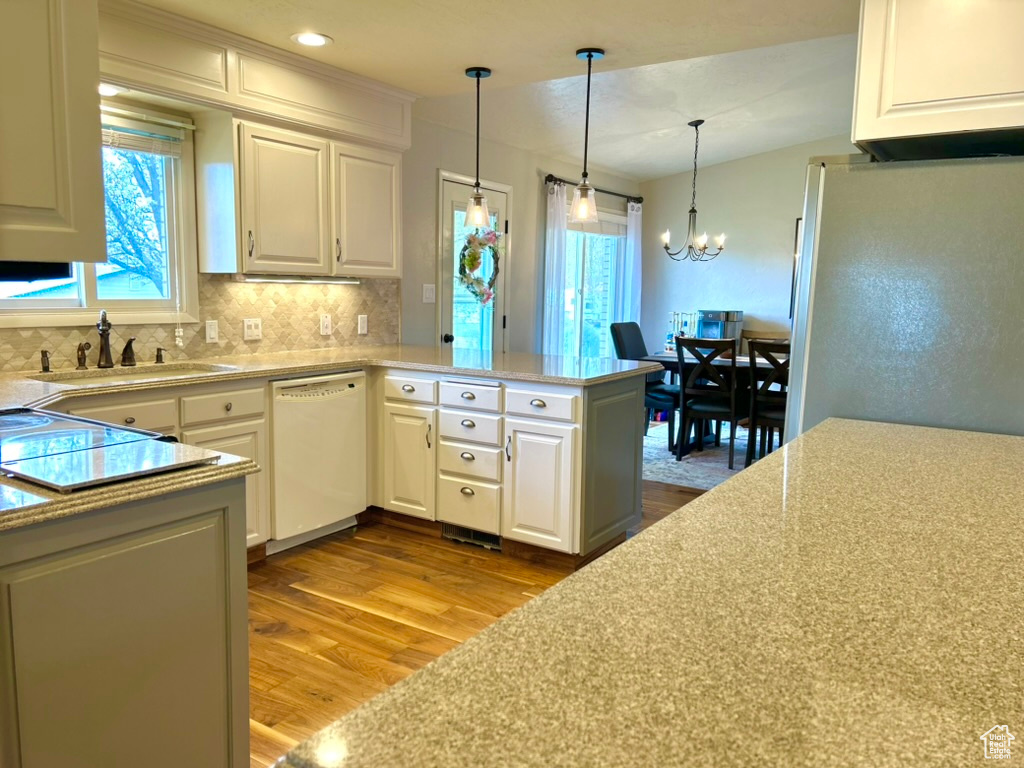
(366, 205)
(465, 321)
(285, 220)
(410, 474)
(538, 498)
(248, 439)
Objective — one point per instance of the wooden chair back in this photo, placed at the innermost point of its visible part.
(705, 378)
(769, 387)
(749, 334)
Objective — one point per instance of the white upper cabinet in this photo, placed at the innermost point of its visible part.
(366, 204)
(51, 181)
(929, 67)
(284, 199)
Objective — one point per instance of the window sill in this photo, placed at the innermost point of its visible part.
(89, 317)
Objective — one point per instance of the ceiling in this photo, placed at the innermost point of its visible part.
(424, 46)
(753, 101)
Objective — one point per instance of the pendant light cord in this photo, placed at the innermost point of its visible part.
(586, 123)
(696, 145)
(478, 131)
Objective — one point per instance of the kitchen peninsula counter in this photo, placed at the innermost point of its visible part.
(852, 599)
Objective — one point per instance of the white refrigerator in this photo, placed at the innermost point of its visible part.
(910, 295)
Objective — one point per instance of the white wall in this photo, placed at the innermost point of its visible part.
(755, 201)
(437, 148)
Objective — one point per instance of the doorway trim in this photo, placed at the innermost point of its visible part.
(493, 186)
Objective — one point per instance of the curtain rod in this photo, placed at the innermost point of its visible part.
(631, 198)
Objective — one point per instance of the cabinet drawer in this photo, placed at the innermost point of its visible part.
(239, 404)
(473, 396)
(484, 463)
(469, 503)
(472, 427)
(541, 405)
(157, 415)
(410, 389)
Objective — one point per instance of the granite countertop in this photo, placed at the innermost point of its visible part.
(18, 389)
(852, 599)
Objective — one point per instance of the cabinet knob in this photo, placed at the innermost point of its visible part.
(538, 403)
(468, 396)
(466, 491)
(408, 388)
(227, 407)
(468, 456)
(468, 423)
(129, 420)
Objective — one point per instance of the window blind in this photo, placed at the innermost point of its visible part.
(141, 136)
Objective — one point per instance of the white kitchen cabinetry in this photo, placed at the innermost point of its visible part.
(539, 491)
(51, 182)
(929, 67)
(285, 205)
(248, 439)
(366, 191)
(410, 466)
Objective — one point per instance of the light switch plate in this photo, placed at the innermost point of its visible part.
(361, 324)
(212, 332)
(325, 324)
(252, 329)
(429, 295)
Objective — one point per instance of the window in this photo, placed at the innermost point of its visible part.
(592, 259)
(150, 275)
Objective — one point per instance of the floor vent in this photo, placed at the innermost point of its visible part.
(469, 536)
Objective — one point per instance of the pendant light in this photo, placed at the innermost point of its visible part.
(584, 201)
(696, 246)
(477, 214)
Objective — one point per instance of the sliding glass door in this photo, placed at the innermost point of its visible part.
(593, 261)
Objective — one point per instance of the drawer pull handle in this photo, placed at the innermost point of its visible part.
(466, 491)
(468, 456)
(468, 423)
(429, 428)
(468, 396)
(508, 447)
(538, 403)
(129, 420)
(408, 388)
(227, 407)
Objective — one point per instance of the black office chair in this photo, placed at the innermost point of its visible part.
(658, 396)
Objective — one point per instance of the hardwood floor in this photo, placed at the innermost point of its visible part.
(337, 621)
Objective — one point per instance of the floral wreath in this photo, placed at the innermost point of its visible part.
(478, 243)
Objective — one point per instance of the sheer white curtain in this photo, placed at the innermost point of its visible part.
(629, 275)
(554, 270)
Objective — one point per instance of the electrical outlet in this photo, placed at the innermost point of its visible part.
(429, 295)
(361, 321)
(325, 325)
(212, 332)
(252, 329)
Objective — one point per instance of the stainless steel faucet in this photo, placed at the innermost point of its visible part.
(104, 326)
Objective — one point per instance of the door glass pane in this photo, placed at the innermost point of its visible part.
(590, 264)
(472, 322)
(135, 187)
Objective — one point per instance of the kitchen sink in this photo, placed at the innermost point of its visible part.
(121, 375)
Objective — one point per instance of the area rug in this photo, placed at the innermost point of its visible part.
(699, 469)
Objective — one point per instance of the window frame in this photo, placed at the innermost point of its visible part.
(182, 305)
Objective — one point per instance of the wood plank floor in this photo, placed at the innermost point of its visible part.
(337, 621)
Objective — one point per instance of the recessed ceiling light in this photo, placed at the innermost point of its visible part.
(312, 39)
(106, 89)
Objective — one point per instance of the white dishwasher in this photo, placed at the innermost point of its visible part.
(319, 465)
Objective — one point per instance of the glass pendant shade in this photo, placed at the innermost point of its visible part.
(477, 214)
(584, 205)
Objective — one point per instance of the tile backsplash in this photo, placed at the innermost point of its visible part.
(290, 315)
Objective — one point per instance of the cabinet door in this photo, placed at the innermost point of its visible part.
(539, 496)
(284, 202)
(410, 474)
(51, 182)
(366, 190)
(248, 439)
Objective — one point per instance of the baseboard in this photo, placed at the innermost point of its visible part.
(275, 546)
(256, 554)
(398, 520)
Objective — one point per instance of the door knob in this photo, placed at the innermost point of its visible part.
(447, 338)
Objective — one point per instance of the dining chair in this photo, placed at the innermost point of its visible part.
(629, 344)
(756, 334)
(708, 390)
(769, 391)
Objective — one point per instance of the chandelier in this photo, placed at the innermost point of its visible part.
(696, 246)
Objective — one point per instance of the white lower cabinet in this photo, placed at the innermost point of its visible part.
(538, 496)
(248, 439)
(410, 466)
